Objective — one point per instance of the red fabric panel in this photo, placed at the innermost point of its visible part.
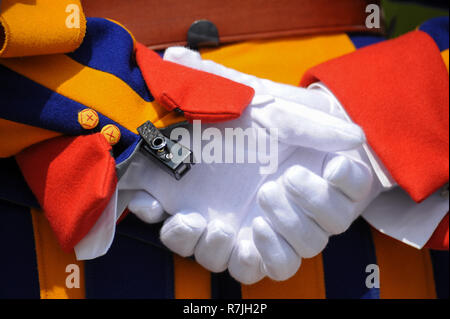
(200, 95)
(73, 179)
(439, 240)
(397, 91)
(125, 213)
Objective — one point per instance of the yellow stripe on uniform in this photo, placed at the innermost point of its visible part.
(308, 283)
(52, 263)
(40, 27)
(283, 60)
(96, 89)
(405, 272)
(192, 281)
(15, 137)
(444, 55)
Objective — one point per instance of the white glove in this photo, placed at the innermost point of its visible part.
(333, 199)
(347, 182)
(215, 200)
(142, 205)
(278, 233)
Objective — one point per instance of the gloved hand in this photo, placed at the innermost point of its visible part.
(213, 202)
(347, 180)
(277, 231)
(141, 204)
(304, 197)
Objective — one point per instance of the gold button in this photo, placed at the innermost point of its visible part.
(111, 133)
(88, 119)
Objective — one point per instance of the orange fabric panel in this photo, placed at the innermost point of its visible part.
(444, 55)
(282, 60)
(192, 281)
(40, 27)
(52, 262)
(308, 283)
(15, 137)
(405, 272)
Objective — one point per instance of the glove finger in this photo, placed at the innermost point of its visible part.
(182, 55)
(280, 261)
(193, 60)
(245, 262)
(352, 178)
(300, 231)
(331, 209)
(313, 99)
(302, 126)
(181, 232)
(147, 208)
(215, 246)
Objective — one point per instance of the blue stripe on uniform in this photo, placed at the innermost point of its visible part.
(438, 29)
(18, 270)
(363, 40)
(27, 102)
(223, 286)
(108, 47)
(345, 260)
(13, 187)
(440, 270)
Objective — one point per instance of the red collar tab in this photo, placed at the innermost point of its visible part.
(199, 95)
(73, 178)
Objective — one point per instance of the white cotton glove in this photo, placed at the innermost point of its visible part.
(286, 231)
(142, 205)
(299, 201)
(347, 179)
(215, 202)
